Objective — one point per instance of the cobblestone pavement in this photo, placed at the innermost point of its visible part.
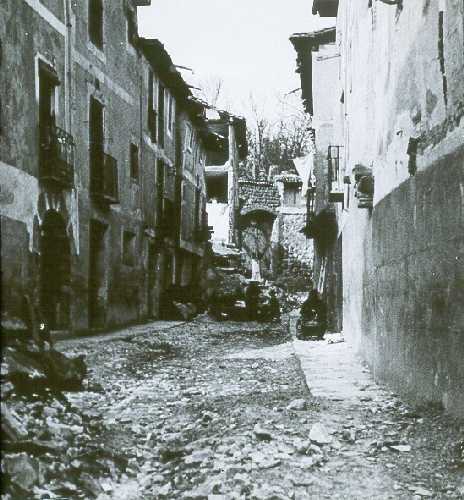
(206, 409)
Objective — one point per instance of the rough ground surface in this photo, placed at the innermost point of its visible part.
(206, 409)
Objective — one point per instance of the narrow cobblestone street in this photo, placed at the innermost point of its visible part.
(205, 408)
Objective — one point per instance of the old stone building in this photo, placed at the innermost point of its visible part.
(397, 104)
(92, 166)
(258, 203)
(317, 60)
(227, 148)
(292, 252)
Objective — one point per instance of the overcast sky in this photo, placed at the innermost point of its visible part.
(243, 42)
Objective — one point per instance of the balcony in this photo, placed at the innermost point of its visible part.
(336, 185)
(56, 157)
(104, 186)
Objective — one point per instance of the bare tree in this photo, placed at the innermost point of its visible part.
(278, 143)
(212, 90)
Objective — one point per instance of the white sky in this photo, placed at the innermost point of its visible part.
(243, 42)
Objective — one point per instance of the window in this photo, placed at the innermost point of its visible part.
(134, 162)
(96, 22)
(188, 137)
(196, 217)
(96, 138)
(128, 248)
(151, 114)
(161, 115)
(131, 27)
(48, 81)
(171, 113)
(334, 168)
(159, 191)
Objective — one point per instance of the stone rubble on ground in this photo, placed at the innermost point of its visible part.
(182, 419)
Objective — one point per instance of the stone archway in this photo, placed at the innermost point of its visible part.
(256, 230)
(55, 271)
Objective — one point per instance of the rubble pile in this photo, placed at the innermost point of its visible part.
(51, 449)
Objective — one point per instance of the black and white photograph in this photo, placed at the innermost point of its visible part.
(232, 249)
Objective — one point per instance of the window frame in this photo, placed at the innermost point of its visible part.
(96, 37)
(188, 137)
(171, 112)
(134, 162)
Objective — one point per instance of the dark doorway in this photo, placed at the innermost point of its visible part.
(48, 82)
(96, 140)
(97, 282)
(55, 271)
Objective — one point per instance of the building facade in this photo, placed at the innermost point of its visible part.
(292, 252)
(90, 155)
(318, 60)
(227, 148)
(399, 117)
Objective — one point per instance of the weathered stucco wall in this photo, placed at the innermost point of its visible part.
(117, 76)
(403, 262)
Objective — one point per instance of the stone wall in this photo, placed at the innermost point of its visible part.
(402, 78)
(292, 251)
(257, 195)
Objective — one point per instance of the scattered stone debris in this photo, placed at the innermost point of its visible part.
(50, 448)
(204, 411)
(298, 405)
(319, 435)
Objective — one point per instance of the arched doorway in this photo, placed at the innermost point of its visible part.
(55, 271)
(256, 228)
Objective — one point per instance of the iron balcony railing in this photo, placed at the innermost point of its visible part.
(56, 156)
(336, 187)
(104, 185)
